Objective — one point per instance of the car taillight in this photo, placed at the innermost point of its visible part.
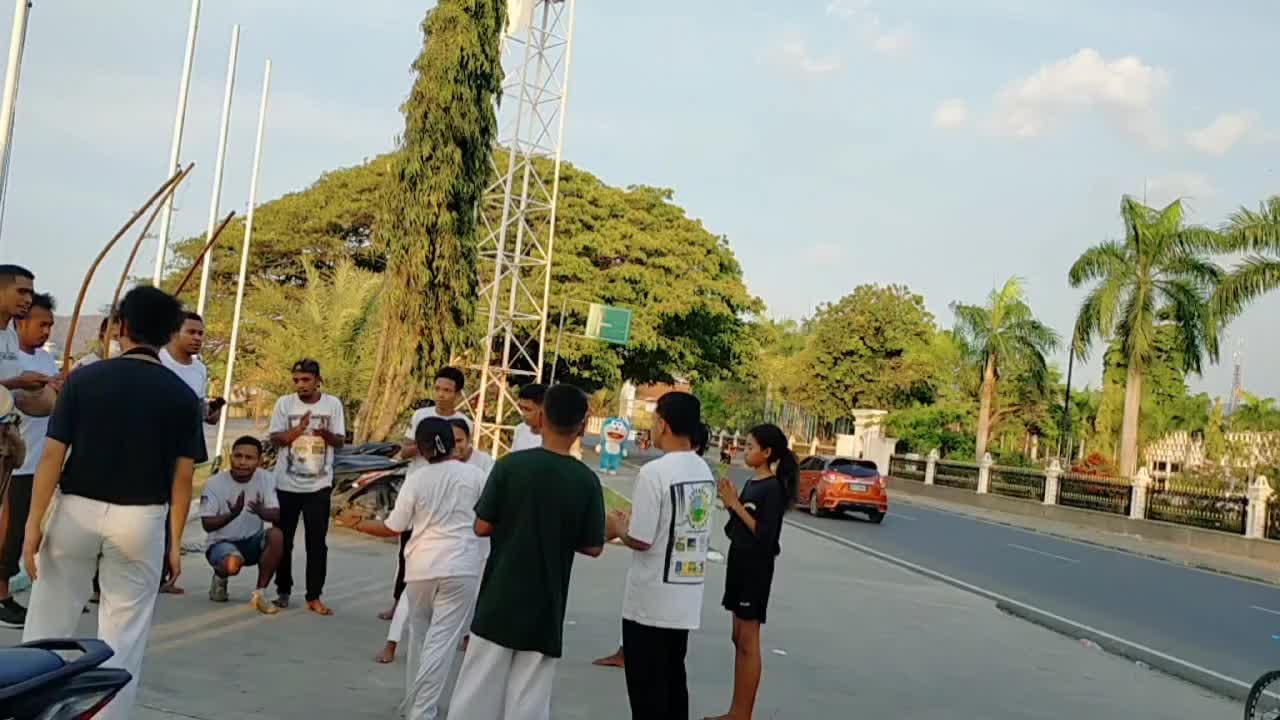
(80, 707)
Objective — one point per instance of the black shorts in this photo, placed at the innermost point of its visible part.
(747, 581)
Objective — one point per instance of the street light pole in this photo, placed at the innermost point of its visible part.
(1066, 410)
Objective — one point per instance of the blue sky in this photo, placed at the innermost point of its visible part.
(940, 144)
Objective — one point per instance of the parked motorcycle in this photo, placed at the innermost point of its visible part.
(39, 681)
(366, 480)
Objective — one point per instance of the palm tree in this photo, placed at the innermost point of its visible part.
(1002, 333)
(1159, 272)
(1256, 233)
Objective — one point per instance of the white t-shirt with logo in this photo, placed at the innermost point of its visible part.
(438, 500)
(482, 460)
(525, 438)
(34, 428)
(195, 375)
(672, 510)
(221, 492)
(307, 465)
(10, 352)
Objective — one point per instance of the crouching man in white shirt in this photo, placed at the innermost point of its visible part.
(442, 560)
(233, 508)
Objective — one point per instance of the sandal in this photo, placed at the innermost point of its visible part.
(318, 608)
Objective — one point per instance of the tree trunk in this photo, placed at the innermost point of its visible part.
(984, 406)
(1129, 428)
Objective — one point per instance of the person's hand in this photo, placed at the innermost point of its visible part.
(237, 507)
(34, 536)
(347, 519)
(616, 524)
(728, 493)
(175, 564)
(57, 381)
(29, 380)
(255, 505)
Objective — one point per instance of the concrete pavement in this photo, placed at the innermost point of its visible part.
(849, 636)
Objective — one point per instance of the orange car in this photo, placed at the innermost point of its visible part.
(834, 485)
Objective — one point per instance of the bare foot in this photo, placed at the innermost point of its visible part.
(170, 589)
(387, 655)
(387, 614)
(614, 660)
(318, 608)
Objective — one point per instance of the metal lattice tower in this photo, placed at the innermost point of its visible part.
(1237, 378)
(517, 213)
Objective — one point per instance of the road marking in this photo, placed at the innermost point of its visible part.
(900, 516)
(1265, 610)
(1046, 554)
(991, 594)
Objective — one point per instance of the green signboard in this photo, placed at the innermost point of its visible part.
(610, 324)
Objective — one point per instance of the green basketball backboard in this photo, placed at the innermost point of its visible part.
(610, 324)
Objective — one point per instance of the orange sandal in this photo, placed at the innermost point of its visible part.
(318, 608)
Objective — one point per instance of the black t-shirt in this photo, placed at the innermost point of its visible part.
(766, 500)
(126, 421)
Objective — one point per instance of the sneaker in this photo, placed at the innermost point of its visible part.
(12, 614)
(259, 603)
(218, 589)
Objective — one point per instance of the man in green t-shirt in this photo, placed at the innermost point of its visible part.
(539, 507)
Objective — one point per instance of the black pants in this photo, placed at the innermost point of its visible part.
(656, 682)
(313, 509)
(18, 506)
(404, 540)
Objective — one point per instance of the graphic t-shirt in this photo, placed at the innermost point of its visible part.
(34, 429)
(222, 491)
(766, 500)
(671, 510)
(307, 466)
(544, 507)
(437, 500)
(525, 439)
(10, 351)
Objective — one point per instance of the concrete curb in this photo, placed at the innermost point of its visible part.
(1115, 646)
(1229, 687)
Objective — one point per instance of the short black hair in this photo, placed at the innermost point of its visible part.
(248, 440)
(461, 423)
(434, 439)
(308, 366)
(536, 392)
(9, 273)
(564, 407)
(43, 300)
(454, 374)
(682, 412)
(189, 315)
(150, 315)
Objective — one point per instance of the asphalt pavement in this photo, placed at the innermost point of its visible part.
(1213, 621)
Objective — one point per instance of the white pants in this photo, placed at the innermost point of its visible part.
(498, 683)
(399, 618)
(439, 612)
(125, 544)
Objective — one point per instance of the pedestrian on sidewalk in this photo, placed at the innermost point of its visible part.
(669, 530)
(310, 424)
(442, 560)
(539, 508)
(754, 530)
(121, 452)
(447, 394)
(234, 508)
(618, 659)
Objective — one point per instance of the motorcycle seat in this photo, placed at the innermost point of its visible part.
(19, 664)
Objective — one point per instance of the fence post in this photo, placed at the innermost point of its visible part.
(984, 474)
(813, 446)
(1051, 475)
(931, 467)
(1256, 514)
(1138, 501)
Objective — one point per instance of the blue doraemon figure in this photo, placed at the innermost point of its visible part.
(614, 434)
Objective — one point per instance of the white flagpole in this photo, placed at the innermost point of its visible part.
(244, 258)
(175, 151)
(17, 43)
(223, 129)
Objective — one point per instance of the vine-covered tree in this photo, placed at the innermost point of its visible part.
(427, 212)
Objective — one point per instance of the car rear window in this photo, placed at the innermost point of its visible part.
(855, 468)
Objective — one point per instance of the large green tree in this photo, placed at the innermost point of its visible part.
(1256, 233)
(1004, 332)
(427, 213)
(870, 349)
(1160, 271)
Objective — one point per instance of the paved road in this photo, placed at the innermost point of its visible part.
(1215, 621)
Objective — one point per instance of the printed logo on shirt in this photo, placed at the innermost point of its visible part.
(307, 454)
(691, 505)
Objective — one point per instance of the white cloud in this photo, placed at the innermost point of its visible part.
(794, 52)
(1125, 90)
(867, 23)
(1219, 136)
(1192, 186)
(951, 114)
(825, 252)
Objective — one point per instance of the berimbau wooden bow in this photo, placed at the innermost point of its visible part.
(207, 247)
